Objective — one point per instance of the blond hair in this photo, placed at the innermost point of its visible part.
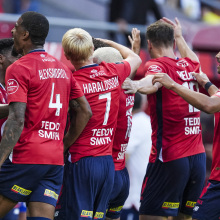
(77, 45)
(107, 54)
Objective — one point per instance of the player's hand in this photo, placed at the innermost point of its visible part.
(201, 78)
(164, 79)
(176, 26)
(135, 40)
(130, 86)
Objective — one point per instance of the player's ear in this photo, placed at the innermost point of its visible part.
(149, 45)
(174, 44)
(67, 57)
(1, 59)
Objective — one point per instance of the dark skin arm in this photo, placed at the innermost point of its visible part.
(81, 115)
(13, 129)
(4, 110)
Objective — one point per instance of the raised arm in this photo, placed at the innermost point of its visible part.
(132, 58)
(12, 130)
(81, 115)
(183, 47)
(198, 100)
(135, 41)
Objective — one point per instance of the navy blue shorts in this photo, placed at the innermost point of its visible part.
(208, 205)
(31, 182)
(119, 194)
(86, 189)
(173, 187)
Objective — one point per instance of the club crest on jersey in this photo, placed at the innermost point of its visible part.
(182, 63)
(155, 69)
(12, 86)
(42, 55)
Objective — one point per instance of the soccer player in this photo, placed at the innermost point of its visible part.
(207, 205)
(39, 90)
(176, 172)
(89, 177)
(120, 189)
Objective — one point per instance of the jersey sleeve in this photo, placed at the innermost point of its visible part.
(217, 94)
(195, 65)
(123, 70)
(17, 82)
(75, 91)
(152, 68)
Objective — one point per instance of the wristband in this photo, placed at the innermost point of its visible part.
(207, 85)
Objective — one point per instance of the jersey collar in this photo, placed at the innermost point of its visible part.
(91, 65)
(37, 50)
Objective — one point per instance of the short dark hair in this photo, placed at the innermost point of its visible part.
(137, 101)
(6, 45)
(98, 44)
(160, 34)
(37, 25)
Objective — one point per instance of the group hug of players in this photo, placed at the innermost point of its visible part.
(99, 96)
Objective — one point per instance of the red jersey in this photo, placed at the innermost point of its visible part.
(123, 129)
(176, 128)
(3, 100)
(215, 173)
(101, 85)
(46, 85)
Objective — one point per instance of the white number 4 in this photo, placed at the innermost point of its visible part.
(108, 103)
(57, 104)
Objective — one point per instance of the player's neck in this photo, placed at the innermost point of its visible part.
(163, 52)
(78, 65)
(32, 47)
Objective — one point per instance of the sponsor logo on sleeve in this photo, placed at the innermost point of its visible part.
(182, 63)
(87, 214)
(116, 209)
(51, 194)
(99, 215)
(190, 204)
(12, 86)
(170, 205)
(20, 190)
(155, 69)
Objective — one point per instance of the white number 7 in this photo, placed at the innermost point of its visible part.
(57, 104)
(108, 104)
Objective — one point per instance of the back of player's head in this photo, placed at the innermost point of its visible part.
(160, 34)
(77, 45)
(107, 54)
(6, 45)
(37, 25)
(98, 43)
(137, 101)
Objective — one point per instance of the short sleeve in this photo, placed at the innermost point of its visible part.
(152, 68)
(17, 83)
(75, 91)
(123, 69)
(217, 94)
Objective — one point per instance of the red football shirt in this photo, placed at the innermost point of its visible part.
(101, 85)
(46, 85)
(176, 128)
(215, 173)
(3, 100)
(123, 129)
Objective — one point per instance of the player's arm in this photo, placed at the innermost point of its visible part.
(128, 55)
(183, 47)
(135, 41)
(204, 81)
(198, 100)
(81, 115)
(4, 110)
(143, 86)
(13, 128)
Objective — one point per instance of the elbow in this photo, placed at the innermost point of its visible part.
(209, 109)
(89, 113)
(139, 61)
